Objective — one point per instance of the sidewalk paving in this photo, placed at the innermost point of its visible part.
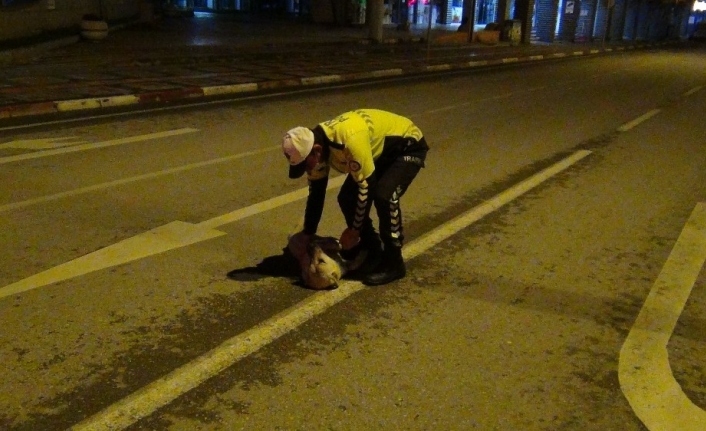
(177, 59)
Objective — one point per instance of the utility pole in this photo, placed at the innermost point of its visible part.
(377, 12)
(609, 21)
(469, 12)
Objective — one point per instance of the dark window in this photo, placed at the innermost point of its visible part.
(16, 2)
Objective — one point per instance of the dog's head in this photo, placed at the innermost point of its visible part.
(322, 266)
(324, 270)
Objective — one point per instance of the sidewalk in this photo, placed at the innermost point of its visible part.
(177, 59)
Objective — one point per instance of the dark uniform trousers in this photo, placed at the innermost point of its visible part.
(395, 170)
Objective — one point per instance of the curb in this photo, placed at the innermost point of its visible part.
(73, 105)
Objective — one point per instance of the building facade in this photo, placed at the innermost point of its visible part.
(20, 19)
(573, 21)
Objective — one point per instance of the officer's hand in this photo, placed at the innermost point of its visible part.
(349, 238)
(298, 243)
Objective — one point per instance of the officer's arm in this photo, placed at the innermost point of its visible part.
(315, 204)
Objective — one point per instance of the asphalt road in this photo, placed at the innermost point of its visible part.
(556, 198)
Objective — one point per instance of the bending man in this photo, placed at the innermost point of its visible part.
(382, 152)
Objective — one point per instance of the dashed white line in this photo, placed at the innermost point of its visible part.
(101, 186)
(627, 126)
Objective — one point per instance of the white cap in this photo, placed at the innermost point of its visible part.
(297, 144)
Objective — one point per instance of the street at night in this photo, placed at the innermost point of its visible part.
(554, 247)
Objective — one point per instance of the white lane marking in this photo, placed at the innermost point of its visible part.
(42, 143)
(267, 205)
(163, 391)
(101, 186)
(453, 226)
(643, 368)
(692, 91)
(460, 105)
(159, 240)
(93, 146)
(627, 126)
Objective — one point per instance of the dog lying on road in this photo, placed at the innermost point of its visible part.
(322, 266)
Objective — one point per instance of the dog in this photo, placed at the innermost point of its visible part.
(320, 260)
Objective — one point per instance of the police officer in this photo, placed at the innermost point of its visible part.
(382, 152)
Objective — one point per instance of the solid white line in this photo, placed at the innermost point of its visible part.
(266, 205)
(627, 126)
(643, 368)
(453, 226)
(101, 186)
(161, 392)
(104, 144)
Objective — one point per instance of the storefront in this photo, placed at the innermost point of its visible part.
(697, 16)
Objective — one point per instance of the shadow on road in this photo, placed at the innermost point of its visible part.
(282, 265)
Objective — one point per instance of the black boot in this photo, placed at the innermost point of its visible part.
(373, 246)
(391, 268)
